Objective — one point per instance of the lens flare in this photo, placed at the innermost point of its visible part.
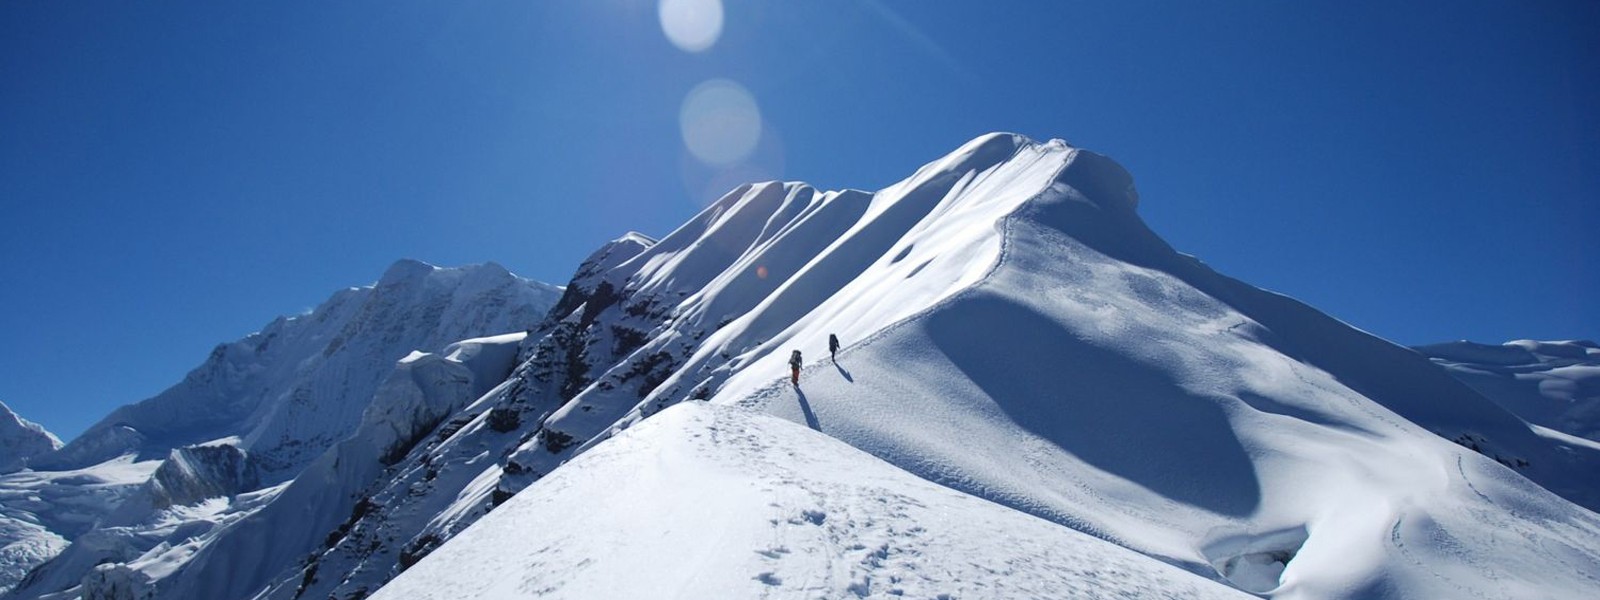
(691, 25)
(720, 122)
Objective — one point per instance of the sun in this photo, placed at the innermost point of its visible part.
(691, 25)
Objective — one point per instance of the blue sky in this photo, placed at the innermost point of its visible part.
(173, 175)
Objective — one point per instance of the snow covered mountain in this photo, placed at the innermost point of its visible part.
(1550, 384)
(21, 439)
(1015, 332)
(299, 385)
(218, 444)
(1106, 417)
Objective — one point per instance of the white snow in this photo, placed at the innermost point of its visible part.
(717, 502)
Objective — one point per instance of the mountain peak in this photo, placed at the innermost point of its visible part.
(635, 238)
(405, 269)
(21, 439)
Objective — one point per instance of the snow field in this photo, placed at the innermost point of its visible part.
(706, 501)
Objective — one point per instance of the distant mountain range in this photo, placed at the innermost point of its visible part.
(1036, 396)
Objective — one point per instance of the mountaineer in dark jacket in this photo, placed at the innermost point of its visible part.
(833, 347)
(794, 365)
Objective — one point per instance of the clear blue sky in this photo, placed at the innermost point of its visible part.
(175, 174)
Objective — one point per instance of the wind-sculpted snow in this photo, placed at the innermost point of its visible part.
(717, 502)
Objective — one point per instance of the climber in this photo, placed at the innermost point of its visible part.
(833, 347)
(794, 365)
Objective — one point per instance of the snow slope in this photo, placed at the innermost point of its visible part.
(252, 417)
(718, 502)
(21, 439)
(1551, 384)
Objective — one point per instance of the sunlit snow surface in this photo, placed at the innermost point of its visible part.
(718, 502)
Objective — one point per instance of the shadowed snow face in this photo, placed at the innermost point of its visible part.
(1104, 412)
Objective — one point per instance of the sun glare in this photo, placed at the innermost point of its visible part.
(720, 122)
(691, 25)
